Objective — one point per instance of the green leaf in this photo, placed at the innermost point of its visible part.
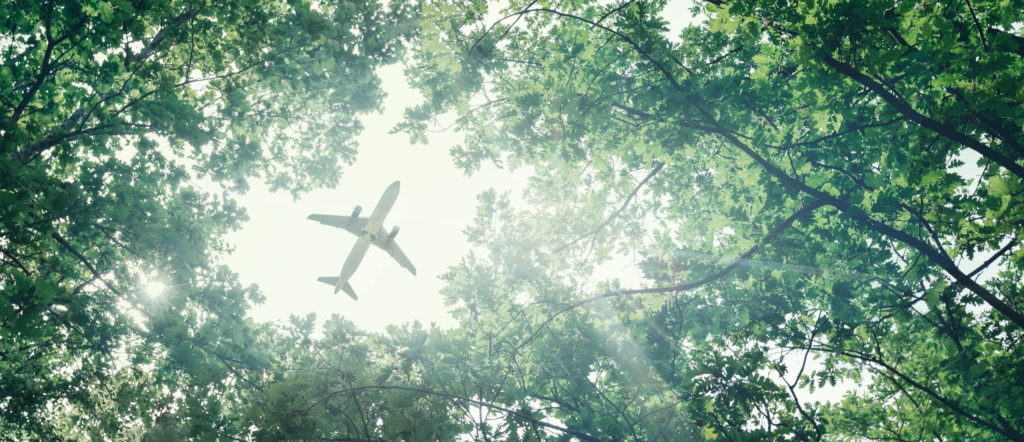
(998, 186)
(106, 11)
(931, 296)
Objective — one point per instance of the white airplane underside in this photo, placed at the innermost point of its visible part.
(370, 231)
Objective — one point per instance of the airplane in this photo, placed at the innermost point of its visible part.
(370, 231)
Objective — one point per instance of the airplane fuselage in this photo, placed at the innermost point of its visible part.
(381, 211)
(372, 225)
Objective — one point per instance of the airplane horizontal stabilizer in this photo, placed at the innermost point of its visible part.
(333, 281)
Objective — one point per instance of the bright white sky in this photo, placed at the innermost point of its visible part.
(283, 252)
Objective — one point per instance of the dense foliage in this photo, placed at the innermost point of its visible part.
(126, 127)
(816, 194)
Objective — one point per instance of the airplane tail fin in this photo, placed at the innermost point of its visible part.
(333, 280)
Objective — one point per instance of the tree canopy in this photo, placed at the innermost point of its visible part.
(126, 128)
(821, 195)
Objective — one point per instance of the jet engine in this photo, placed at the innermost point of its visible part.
(393, 234)
(355, 212)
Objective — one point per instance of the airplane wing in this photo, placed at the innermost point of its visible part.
(352, 224)
(382, 240)
(333, 281)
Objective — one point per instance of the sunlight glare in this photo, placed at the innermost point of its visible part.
(155, 288)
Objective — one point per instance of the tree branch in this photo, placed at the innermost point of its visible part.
(582, 436)
(1019, 41)
(159, 37)
(984, 42)
(44, 70)
(913, 115)
(1007, 432)
(81, 258)
(806, 210)
(615, 214)
(994, 257)
(844, 207)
